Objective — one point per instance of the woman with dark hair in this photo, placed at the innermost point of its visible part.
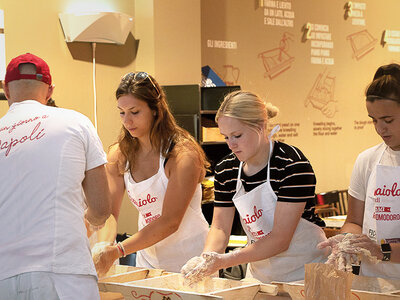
(160, 166)
(374, 193)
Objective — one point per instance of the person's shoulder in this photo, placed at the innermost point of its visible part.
(372, 152)
(184, 149)
(367, 158)
(229, 161)
(288, 152)
(114, 153)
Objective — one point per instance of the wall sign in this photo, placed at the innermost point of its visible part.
(356, 11)
(321, 43)
(391, 38)
(278, 13)
(288, 130)
(221, 44)
(326, 128)
(360, 125)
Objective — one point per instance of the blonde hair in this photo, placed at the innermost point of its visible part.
(246, 107)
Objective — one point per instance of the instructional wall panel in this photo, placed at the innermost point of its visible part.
(311, 58)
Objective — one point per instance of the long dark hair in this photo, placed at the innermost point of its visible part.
(164, 130)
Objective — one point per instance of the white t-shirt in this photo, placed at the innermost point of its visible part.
(44, 153)
(364, 165)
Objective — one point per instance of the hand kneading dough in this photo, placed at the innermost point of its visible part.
(192, 264)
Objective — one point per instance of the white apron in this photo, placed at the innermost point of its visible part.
(257, 209)
(382, 216)
(188, 241)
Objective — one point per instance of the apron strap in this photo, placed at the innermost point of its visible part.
(238, 178)
(271, 146)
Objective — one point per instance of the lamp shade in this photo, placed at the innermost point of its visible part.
(96, 27)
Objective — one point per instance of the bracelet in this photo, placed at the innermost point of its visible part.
(121, 249)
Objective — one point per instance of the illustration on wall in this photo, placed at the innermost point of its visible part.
(321, 95)
(361, 42)
(231, 75)
(277, 60)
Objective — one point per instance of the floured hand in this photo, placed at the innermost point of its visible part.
(97, 249)
(205, 265)
(331, 242)
(348, 250)
(370, 248)
(104, 255)
(191, 265)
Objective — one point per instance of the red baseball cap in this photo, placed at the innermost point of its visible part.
(42, 69)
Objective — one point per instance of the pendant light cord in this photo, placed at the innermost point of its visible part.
(94, 84)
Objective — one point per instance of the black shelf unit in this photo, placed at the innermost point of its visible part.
(195, 107)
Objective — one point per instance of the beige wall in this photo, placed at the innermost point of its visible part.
(286, 78)
(174, 58)
(169, 40)
(177, 41)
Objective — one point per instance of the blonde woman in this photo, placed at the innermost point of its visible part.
(272, 185)
(160, 166)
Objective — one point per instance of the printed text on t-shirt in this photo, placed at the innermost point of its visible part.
(21, 122)
(8, 144)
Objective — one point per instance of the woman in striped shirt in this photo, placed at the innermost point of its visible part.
(272, 186)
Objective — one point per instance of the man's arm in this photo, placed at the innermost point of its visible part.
(95, 186)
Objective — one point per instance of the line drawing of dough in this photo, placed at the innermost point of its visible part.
(277, 60)
(361, 43)
(321, 95)
(231, 75)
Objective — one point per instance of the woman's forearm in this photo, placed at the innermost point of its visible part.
(109, 232)
(153, 233)
(217, 240)
(265, 248)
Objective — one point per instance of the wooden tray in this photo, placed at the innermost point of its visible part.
(121, 274)
(172, 287)
(363, 288)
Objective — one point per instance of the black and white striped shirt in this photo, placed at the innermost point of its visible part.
(291, 175)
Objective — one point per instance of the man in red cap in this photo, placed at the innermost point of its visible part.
(50, 159)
